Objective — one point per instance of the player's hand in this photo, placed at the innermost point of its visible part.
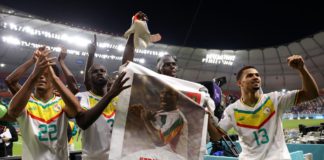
(148, 115)
(36, 55)
(92, 47)
(63, 54)
(136, 109)
(118, 85)
(43, 61)
(296, 62)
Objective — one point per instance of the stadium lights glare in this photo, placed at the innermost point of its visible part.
(2, 65)
(283, 90)
(142, 61)
(81, 72)
(214, 58)
(76, 40)
(120, 48)
(16, 41)
(11, 40)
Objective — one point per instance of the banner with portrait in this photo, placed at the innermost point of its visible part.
(159, 118)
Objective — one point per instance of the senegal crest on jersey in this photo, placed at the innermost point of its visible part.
(257, 118)
(45, 112)
(109, 111)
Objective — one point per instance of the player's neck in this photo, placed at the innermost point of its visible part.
(44, 96)
(250, 98)
(99, 91)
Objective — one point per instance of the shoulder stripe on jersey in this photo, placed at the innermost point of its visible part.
(109, 115)
(252, 112)
(43, 120)
(97, 99)
(256, 127)
(42, 105)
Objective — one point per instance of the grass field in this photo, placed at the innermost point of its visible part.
(288, 124)
(17, 147)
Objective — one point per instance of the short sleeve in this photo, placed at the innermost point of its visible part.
(226, 123)
(287, 100)
(83, 100)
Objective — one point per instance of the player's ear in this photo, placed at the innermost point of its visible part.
(238, 83)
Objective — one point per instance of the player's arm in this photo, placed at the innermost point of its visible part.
(70, 80)
(85, 118)
(19, 101)
(92, 47)
(214, 130)
(309, 89)
(13, 78)
(129, 50)
(72, 104)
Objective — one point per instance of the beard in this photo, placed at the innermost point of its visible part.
(100, 82)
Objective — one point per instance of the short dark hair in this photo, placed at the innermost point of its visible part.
(240, 72)
(56, 70)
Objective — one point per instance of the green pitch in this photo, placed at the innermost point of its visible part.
(17, 147)
(289, 124)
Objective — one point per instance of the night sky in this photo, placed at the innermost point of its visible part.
(196, 23)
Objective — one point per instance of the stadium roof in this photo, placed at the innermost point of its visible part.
(21, 33)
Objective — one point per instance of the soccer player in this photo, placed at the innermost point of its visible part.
(96, 132)
(43, 117)
(257, 117)
(12, 79)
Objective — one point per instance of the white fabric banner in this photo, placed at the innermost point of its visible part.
(159, 118)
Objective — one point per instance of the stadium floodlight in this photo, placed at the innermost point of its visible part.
(81, 72)
(77, 40)
(120, 47)
(56, 49)
(11, 40)
(283, 90)
(104, 45)
(2, 65)
(13, 26)
(142, 61)
(161, 53)
(29, 30)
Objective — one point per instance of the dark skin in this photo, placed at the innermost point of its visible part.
(97, 80)
(13, 79)
(94, 113)
(169, 67)
(70, 80)
(92, 47)
(41, 79)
